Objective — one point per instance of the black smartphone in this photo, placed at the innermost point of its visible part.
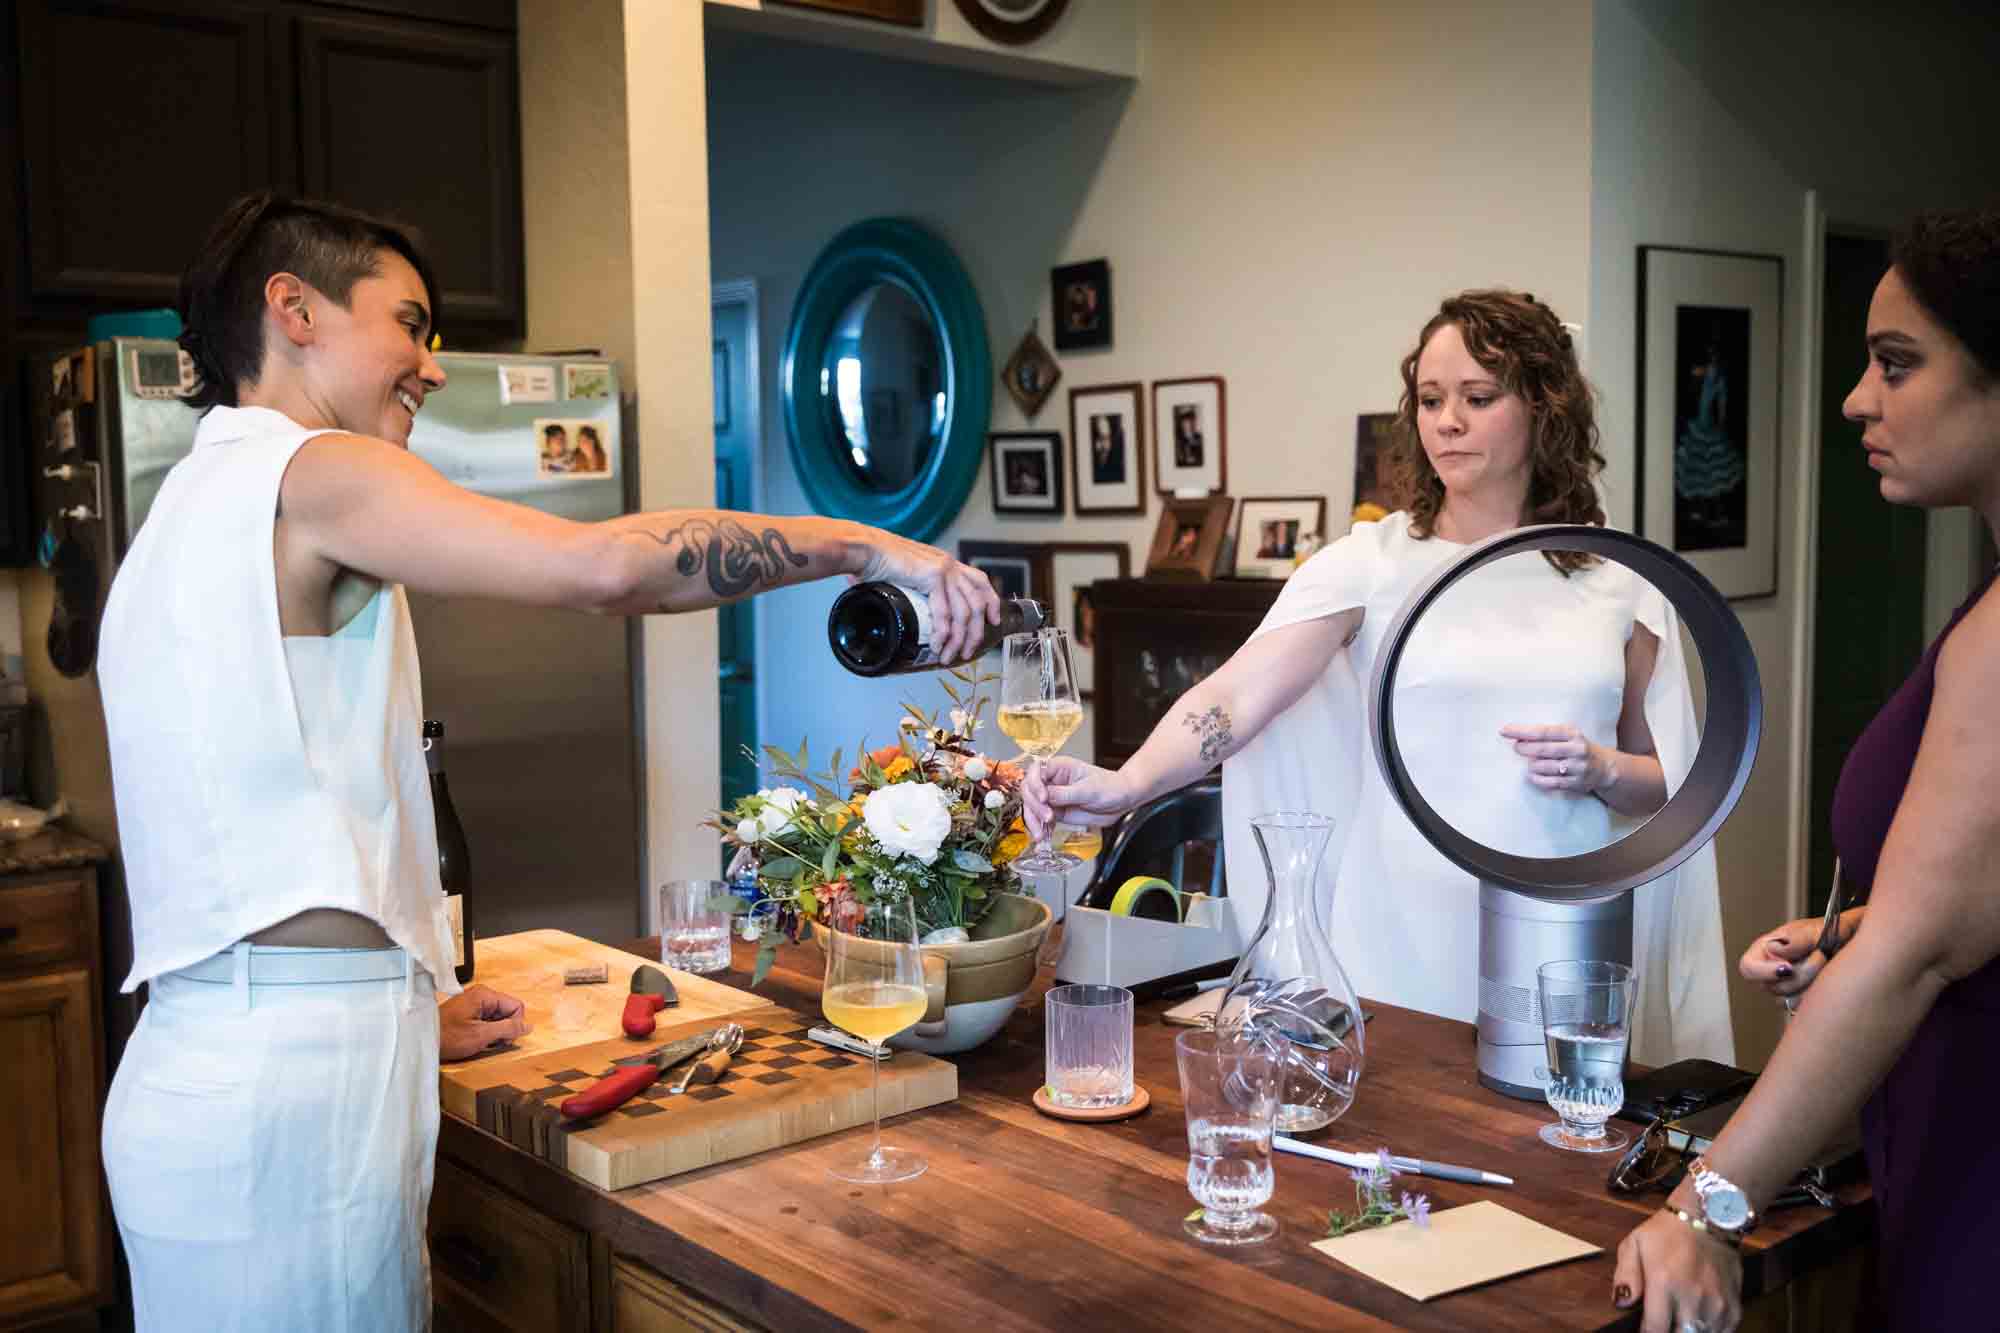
(1689, 1085)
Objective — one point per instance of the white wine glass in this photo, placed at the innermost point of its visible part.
(875, 988)
(1039, 710)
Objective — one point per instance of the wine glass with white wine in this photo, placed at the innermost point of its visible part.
(875, 988)
(1040, 710)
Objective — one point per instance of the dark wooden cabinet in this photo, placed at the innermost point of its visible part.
(55, 1234)
(420, 124)
(141, 119)
(1156, 640)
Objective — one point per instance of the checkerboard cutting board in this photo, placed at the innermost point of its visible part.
(779, 1089)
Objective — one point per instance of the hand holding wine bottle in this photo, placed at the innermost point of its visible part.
(960, 600)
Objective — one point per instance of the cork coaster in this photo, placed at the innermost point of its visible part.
(1141, 1099)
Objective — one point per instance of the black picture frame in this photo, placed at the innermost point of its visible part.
(1723, 309)
(1080, 304)
(1014, 460)
(1017, 569)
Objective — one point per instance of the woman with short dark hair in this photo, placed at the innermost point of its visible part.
(1902, 1024)
(269, 1134)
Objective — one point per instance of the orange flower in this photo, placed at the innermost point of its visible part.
(1008, 773)
(898, 766)
(1012, 844)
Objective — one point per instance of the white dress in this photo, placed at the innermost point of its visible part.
(1514, 643)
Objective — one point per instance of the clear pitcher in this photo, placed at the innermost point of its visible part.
(1289, 984)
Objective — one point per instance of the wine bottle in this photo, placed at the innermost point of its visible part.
(884, 629)
(454, 863)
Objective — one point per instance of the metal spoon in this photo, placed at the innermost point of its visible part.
(728, 1040)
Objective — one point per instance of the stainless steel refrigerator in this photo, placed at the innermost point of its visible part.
(540, 707)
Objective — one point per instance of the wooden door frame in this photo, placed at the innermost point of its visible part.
(743, 291)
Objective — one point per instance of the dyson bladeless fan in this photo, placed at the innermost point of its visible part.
(1534, 910)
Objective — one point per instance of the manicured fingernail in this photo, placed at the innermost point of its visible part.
(1784, 969)
(1622, 1297)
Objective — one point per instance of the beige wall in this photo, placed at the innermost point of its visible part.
(1283, 200)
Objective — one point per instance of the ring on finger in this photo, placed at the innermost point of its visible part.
(1562, 767)
(1692, 1326)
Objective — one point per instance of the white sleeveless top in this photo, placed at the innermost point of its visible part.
(256, 776)
(1514, 643)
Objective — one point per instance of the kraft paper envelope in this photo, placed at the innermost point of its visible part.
(1462, 1247)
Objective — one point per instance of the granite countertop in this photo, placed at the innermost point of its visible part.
(51, 849)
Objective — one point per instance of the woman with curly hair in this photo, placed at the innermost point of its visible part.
(1902, 1022)
(1545, 703)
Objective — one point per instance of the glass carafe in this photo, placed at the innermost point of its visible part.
(1289, 982)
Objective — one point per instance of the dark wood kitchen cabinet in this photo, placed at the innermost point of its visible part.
(141, 119)
(55, 1233)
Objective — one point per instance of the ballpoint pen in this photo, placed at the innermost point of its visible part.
(1414, 1166)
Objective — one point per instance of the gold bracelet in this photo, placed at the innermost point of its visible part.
(1701, 1225)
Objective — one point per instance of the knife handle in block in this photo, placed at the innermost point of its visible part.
(610, 1093)
(639, 1011)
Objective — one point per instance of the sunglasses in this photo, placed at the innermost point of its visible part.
(1651, 1163)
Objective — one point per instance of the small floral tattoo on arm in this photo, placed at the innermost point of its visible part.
(1213, 728)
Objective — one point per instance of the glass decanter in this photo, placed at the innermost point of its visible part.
(1289, 983)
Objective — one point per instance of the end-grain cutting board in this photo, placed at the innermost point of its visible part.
(529, 966)
(779, 1089)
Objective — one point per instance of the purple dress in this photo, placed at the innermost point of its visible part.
(1928, 1129)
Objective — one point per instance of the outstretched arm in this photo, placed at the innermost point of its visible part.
(1205, 726)
(354, 503)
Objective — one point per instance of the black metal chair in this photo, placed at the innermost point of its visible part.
(1156, 839)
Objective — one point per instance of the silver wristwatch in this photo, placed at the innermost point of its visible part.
(1724, 1206)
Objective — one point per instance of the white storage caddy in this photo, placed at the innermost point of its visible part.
(1111, 950)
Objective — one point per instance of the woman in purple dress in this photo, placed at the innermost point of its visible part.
(1903, 1024)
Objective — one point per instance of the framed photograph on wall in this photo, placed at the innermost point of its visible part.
(1026, 471)
(1710, 329)
(1073, 567)
(1030, 374)
(1190, 436)
(1108, 449)
(1374, 436)
(1190, 536)
(1267, 538)
(1080, 299)
(1017, 569)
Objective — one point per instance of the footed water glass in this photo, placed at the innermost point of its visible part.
(1231, 1085)
(1586, 1027)
(1088, 1047)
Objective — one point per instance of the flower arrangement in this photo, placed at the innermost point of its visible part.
(929, 818)
(1372, 1205)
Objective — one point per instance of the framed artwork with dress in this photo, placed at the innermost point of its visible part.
(1710, 341)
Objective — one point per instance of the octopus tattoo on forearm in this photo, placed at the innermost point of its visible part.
(738, 561)
(1213, 728)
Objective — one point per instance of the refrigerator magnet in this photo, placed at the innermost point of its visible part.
(586, 381)
(65, 431)
(571, 447)
(527, 384)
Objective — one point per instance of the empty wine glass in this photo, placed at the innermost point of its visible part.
(1039, 710)
(874, 988)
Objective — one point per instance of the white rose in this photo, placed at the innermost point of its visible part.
(786, 799)
(977, 768)
(963, 722)
(772, 820)
(995, 799)
(909, 818)
(746, 830)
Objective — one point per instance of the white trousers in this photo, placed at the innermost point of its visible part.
(270, 1150)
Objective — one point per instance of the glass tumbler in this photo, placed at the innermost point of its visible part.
(1586, 1027)
(1231, 1085)
(1088, 1047)
(694, 931)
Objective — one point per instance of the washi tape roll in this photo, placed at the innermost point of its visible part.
(1147, 896)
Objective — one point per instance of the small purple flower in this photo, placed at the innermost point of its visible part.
(1363, 1176)
(1417, 1207)
(1385, 1163)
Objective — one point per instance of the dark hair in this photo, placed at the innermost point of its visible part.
(555, 428)
(222, 289)
(1520, 342)
(591, 431)
(1951, 264)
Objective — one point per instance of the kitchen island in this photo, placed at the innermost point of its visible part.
(1024, 1222)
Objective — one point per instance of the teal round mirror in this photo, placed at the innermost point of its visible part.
(886, 379)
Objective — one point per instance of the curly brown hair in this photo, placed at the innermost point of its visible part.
(1520, 342)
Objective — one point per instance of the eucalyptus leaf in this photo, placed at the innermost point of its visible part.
(971, 862)
(783, 867)
(727, 902)
(767, 954)
(832, 852)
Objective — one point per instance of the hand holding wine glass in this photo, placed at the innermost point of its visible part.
(874, 988)
(1039, 710)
